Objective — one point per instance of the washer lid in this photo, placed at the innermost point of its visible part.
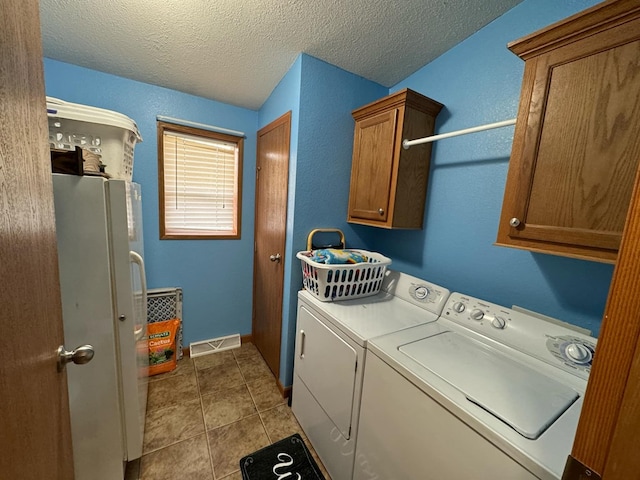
(525, 399)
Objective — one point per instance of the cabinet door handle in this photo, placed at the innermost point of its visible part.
(381, 211)
(303, 337)
(514, 222)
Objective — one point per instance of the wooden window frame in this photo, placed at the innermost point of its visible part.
(163, 127)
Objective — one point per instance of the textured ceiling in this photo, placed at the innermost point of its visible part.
(236, 51)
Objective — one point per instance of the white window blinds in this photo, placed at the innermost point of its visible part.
(200, 185)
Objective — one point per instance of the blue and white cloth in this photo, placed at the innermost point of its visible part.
(333, 256)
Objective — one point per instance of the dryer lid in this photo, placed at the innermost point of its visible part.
(525, 399)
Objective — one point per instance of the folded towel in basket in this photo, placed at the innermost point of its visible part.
(338, 257)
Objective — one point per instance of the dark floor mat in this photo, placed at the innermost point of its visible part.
(288, 458)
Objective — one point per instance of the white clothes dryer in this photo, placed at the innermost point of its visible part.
(330, 357)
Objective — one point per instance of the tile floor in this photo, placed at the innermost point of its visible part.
(208, 413)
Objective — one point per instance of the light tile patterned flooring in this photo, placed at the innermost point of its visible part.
(208, 413)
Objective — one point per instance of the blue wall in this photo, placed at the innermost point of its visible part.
(479, 82)
(328, 95)
(321, 98)
(215, 274)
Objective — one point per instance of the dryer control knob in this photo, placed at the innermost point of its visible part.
(578, 353)
(477, 314)
(499, 323)
(458, 307)
(421, 292)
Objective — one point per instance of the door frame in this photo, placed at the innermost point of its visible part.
(608, 431)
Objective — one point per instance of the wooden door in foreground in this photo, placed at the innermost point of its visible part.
(34, 412)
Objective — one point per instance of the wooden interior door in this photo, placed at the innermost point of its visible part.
(272, 177)
(34, 411)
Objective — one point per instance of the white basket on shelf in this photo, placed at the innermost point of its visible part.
(109, 134)
(332, 282)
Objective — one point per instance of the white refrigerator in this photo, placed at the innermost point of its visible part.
(102, 280)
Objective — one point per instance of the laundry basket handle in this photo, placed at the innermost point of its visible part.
(317, 230)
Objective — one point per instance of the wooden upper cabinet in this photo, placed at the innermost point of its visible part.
(388, 182)
(577, 139)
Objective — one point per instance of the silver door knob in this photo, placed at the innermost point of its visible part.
(79, 356)
(514, 222)
(275, 258)
(381, 211)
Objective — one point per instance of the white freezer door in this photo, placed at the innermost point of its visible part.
(327, 366)
(125, 217)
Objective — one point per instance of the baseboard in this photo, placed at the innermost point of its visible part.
(285, 391)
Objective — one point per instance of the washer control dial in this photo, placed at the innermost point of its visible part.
(578, 353)
(477, 314)
(574, 352)
(458, 307)
(499, 323)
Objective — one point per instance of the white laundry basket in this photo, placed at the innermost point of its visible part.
(331, 282)
(109, 134)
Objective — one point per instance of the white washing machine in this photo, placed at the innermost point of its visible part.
(485, 392)
(330, 357)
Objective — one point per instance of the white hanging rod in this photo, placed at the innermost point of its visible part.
(505, 123)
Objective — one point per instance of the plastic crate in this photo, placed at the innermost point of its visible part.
(165, 304)
(343, 281)
(109, 134)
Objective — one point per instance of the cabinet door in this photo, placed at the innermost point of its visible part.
(373, 166)
(573, 176)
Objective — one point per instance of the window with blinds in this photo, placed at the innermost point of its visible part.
(200, 176)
